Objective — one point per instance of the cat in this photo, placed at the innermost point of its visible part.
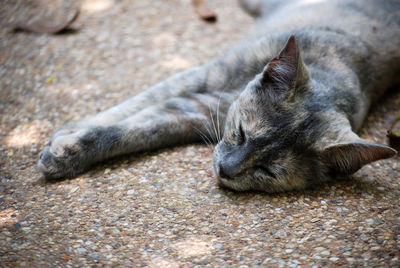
(285, 104)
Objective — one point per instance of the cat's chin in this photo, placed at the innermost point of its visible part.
(235, 184)
(258, 180)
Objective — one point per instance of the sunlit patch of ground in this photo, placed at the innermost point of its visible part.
(177, 63)
(93, 6)
(27, 134)
(194, 247)
(8, 217)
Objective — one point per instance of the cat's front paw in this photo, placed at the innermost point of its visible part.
(63, 159)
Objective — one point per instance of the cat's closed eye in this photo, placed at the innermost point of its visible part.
(239, 136)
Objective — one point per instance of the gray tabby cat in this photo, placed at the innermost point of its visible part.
(290, 100)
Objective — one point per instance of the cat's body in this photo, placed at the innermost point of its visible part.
(289, 119)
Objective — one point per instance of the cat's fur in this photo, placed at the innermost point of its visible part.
(286, 103)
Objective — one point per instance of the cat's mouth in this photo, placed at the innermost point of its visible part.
(252, 178)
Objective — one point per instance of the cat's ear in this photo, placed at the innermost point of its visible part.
(286, 72)
(345, 159)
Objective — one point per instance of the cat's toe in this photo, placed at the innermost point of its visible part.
(49, 165)
(56, 165)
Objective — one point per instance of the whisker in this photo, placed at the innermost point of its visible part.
(208, 128)
(213, 123)
(218, 123)
(204, 138)
(202, 135)
(218, 127)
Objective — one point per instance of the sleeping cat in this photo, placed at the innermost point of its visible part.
(284, 105)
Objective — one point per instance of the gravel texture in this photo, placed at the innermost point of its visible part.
(161, 209)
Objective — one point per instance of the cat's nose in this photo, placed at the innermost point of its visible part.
(222, 173)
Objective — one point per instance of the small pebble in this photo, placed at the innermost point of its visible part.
(369, 221)
(81, 250)
(325, 253)
(218, 246)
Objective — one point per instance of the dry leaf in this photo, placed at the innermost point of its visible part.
(205, 12)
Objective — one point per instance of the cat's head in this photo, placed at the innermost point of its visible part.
(277, 139)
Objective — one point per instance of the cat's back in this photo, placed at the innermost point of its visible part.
(373, 21)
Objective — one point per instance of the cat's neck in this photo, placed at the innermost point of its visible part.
(338, 89)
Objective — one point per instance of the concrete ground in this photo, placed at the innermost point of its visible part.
(161, 209)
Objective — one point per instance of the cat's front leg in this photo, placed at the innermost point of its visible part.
(175, 121)
(190, 81)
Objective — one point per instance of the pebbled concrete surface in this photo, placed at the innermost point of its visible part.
(161, 209)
